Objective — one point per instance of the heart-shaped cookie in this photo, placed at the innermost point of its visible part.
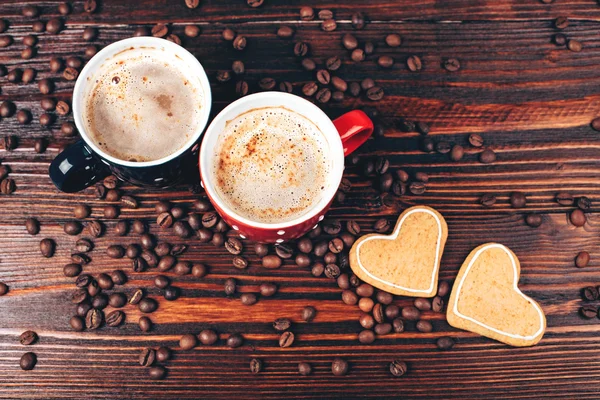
(407, 261)
(485, 298)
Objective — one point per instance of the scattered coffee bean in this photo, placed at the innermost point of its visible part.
(191, 4)
(589, 293)
(115, 318)
(375, 93)
(487, 156)
(28, 338)
(235, 340)
(398, 368)
(487, 200)
(188, 341)
(366, 336)
(94, 319)
(308, 313)
(157, 373)
(285, 32)
(518, 200)
(77, 323)
(230, 286)
(104, 281)
(437, 304)
(561, 22)
(115, 251)
(533, 220)
(239, 42)
(147, 357)
(47, 247)
(381, 225)
(248, 299)
(588, 311)
(268, 289)
(32, 225)
(411, 313)
(414, 63)
(584, 203)
(147, 305)
(90, 6)
(28, 361)
(304, 369)
(357, 55)
(160, 30)
(422, 304)
(71, 270)
(445, 343)
(339, 367)
(424, 326)
(286, 339)
(145, 324)
(577, 218)
(582, 260)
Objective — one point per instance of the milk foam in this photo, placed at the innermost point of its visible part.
(271, 165)
(142, 106)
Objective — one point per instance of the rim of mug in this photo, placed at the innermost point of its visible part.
(197, 71)
(286, 100)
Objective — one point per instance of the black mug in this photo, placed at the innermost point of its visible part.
(85, 163)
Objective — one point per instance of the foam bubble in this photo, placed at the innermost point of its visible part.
(142, 108)
(271, 164)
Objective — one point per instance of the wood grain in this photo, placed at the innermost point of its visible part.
(530, 100)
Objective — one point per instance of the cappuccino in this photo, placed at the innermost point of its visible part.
(271, 165)
(143, 106)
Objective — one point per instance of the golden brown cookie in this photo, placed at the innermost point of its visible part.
(485, 298)
(406, 262)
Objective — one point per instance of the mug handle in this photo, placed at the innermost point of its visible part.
(354, 128)
(76, 168)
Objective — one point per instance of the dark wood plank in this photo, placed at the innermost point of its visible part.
(531, 101)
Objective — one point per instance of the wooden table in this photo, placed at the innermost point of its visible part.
(530, 100)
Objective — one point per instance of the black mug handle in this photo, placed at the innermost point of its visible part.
(76, 168)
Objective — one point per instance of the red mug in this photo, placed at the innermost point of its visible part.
(343, 136)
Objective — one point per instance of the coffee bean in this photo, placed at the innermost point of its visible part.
(118, 277)
(208, 337)
(81, 258)
(3, 288)
(451, 64)
(381, 225)
(147, 240)
(349, 41)
(559, 39)
(383, 328)
(115, 318)
(162, 249)
(110, 212)
(94, 319)
(329, 25)
(77, 323)
(147, 305)
(533, 220)
(233, 246)
(411, 313)
(23, 117)
(561, 22)
(307, 13)
(589, 293)
(136, 297)
(100, 301)
(90, 6)
(104, 281)
(588, 311)
(475, 140)
(577, 218)
(365, 290)
(192, 3)
(268, 289)
(235, 340)
(157, 373)
(161, 281)
(584, 203)
(437, 304)
(336, 245)
(285, 32)
(343, 282)
(218, 239)
(323, 95)
(487, 200)
(317, 269)
(256, 365)
(47, 247)
(165, 263)
(339, 84)
(366, 304)
(147, 357)
(28, 338)
(62, 108)
(132, 251)
(145, 324)
(303, 260)
(357, 55)
(457, 152)
(191, 31)
(7, 109)
(375, 93)
(267, 83)
(172, 293)
(32, 225)
(358, 20)
(182, 229)
(30, 11)
(366, 321)
(339, 367)
(332, 271)
(308, 313)
(398, 368)
(188, 341)
(487, 156)
(424, 326)
(160, 30)
(518, 200)
(366, 337)
(349, 297)
(71, 270)
(248, 299)
(83, 280)
(230, 286)
(304, 369)
(414, 63)
(385, 61)
(6, 41)
(564, 199)
(239, 43)
(28, 361)
(582, 259)
(422, 304)
(129, 202)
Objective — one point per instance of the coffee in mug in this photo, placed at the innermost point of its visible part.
(271, 165)
(143, 106)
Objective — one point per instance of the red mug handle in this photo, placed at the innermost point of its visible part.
(354, 128)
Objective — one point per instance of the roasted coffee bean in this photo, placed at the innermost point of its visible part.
(121, 228)
(564, 199)
(6, 41)
(366, 321)
(173, 38)
(424, 326)
(32, 225)
(304, 369)
(54, 25)
(188, 341)
(115, 318)
(230, 286)
(392, 311)
(445, 343)
(145, 324)
(118, 277)
(385, 62)
(349, 41)
(239, 42)
(162, 249)
(256, 365)
(303, 260)
(582, 260)
(47, 247)
(94, 319)
(443, 147)
(165, 263)
(177, 212)
(77, 323)
(83, 280)
(248, 299)
(561, 22)
(487, 156)
(378, 313)
(300, 49)
(584, 203)
(7, 109)
(182, 229)
(339, 367)
(28, 338)
(398, 368)
(307, 13)
(132, 251)
(30, 11)
(62, 108)
(218, 239)
(223, 76)
(157, 373)
(233, 246)
(191, 31)
(115, 251)
(3, 288)
(129, 202)
(209, 219)
(71, 270)
(68, 130)
(443, 288)
(90, 51)
(40, 145)
(172, 293)
(23, 117)
(283, 250)
(343, 282)
(81, 258)
(333, 63)
(104, 281)
(375, 93)
(487, 200)
(414, 63)
(329, 25)
(336, 245)
(383, 328)
(411, 313)
(93, 288)
(422, 304)
(381, 225)
(110, 212)
(235, 340)
(100, 301)
(398, 325)
(147, 240)
(38, 26)
(559, 39)
(357, 55)
(366, 337)
(451, 64)
(518, 200)
(332, 271)
(310, 89)
(161, 281)
(70, 73)
(90, 6)
(426, 144)
(457, 152)
(28, 361)
(308, 313)
(365, 290)
(533, 220)
(437, 304)
(162, 207)
(309, 65)
(285, 32)
(28, 77)
(136, 297)
(349, 297)
(323, 95)
(588, 311)
(589, 293)
(147, 357)
(475, 140)
(147, 305)
(160, 30)
(366, 304)
(268, 289)
(15, 75)
(317, 269)
(577, 218)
